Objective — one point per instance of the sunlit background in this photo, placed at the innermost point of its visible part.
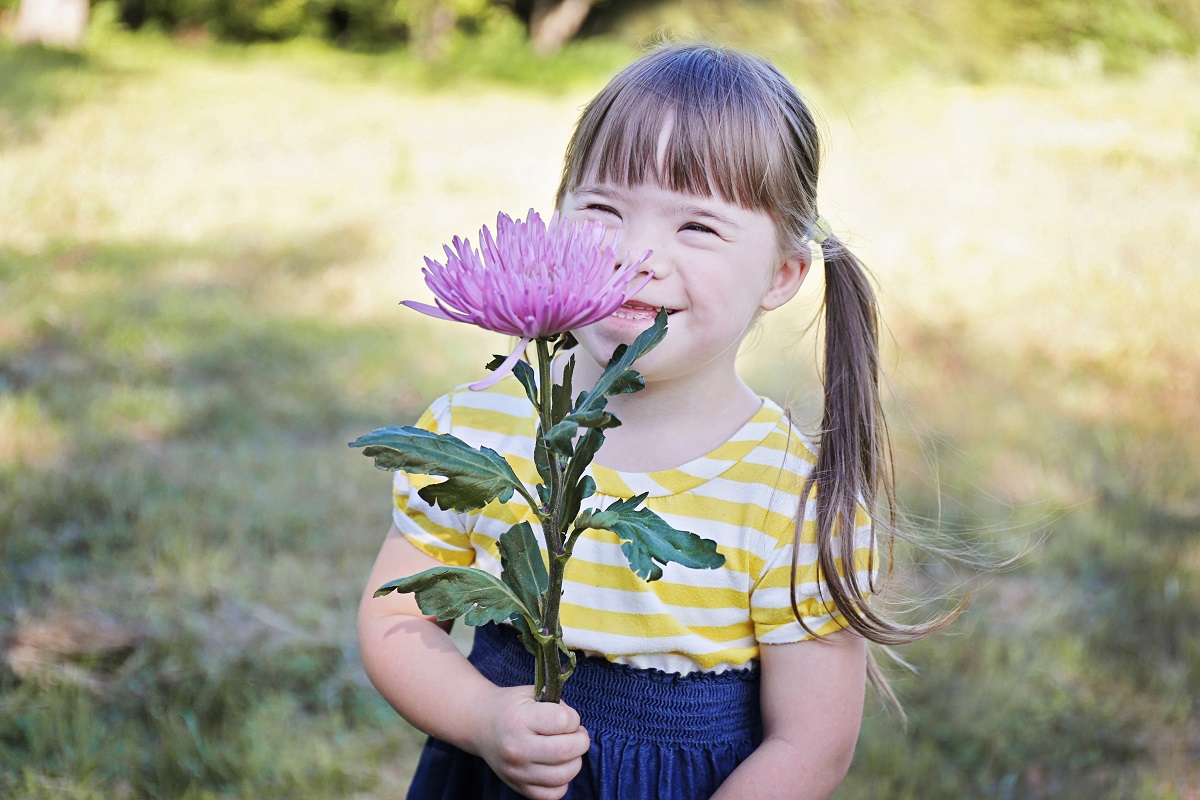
(209, 212)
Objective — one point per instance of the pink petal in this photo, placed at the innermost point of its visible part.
(432, 311)
(504, 368)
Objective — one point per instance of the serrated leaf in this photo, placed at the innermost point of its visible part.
(524, 572)
(474, 476)
(648, 541)
(618, 378)
(475, 596)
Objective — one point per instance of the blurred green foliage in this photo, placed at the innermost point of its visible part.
(966, 35)
(360, 23)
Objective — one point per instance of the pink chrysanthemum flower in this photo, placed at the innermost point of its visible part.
(532, 280)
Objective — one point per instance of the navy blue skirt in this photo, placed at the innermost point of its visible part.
(654, 734)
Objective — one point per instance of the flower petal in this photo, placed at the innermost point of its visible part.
(432, 311)
(504, 368)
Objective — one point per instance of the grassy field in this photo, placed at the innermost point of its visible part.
(201, 253)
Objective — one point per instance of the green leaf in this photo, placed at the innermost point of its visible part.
(524, 572)
(560, 396)
(579, 485)
(524, 374)
(522, 371)
(474, 477)
(618, 378)
(448, 593)
(565, 341)
(587, 487)
(647, 540)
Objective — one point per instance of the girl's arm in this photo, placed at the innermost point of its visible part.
(812, 704)
(536, 748)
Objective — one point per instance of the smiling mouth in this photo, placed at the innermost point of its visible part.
(635, 310)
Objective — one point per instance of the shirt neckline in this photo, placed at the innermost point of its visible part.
(684, 478)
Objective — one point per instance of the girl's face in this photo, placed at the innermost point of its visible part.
(716, 265)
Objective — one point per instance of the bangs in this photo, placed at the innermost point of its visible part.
(724, 131)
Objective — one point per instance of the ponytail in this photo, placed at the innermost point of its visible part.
(853, 471)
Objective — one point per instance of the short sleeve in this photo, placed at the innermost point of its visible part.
(444, 535)
(770, 600)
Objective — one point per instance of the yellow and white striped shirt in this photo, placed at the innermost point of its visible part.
(744, 495)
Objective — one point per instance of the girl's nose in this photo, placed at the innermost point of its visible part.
(631, 247)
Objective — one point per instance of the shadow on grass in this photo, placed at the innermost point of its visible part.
(38, 83)
(1074, 674)
(185, 473)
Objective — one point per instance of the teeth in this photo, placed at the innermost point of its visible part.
(639, 311)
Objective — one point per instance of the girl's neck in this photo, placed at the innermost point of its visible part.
(669, 423)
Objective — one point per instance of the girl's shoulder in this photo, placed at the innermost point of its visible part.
(784, 445)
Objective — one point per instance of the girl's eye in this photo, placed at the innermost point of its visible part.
(696, 226)
(603, 209)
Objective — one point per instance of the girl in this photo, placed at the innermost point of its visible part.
(742, 682)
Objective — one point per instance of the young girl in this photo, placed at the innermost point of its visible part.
(742, 682)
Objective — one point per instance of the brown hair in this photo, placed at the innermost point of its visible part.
(740, 130)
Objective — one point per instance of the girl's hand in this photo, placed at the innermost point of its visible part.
(536, 748)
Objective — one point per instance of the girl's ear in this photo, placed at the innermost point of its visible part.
(787, 281)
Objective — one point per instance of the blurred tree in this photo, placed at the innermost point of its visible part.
(430, 24)
(58, 23)
(553, 23)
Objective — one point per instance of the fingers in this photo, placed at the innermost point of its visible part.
(549, 719)
(536, 748)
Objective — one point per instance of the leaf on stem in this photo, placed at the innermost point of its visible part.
(474, 477)
(448, 593)
(524, 374)
(524, 572)
(648, 541)
(561, 393)
(579, 485)
(618, 377)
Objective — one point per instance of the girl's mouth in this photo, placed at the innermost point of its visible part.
(634, 310)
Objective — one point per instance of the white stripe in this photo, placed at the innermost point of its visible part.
(615, 643)
(511, 406)
(794, 631)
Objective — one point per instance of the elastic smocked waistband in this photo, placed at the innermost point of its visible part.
(702, 709)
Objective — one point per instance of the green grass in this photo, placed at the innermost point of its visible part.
(201, 252)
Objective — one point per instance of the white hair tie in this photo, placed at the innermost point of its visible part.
(820, 230)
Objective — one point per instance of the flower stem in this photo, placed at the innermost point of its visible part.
(554, 529)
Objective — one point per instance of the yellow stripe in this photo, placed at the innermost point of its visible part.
(734, 512)
(455, 558)
(647, 626)
(611, 480)
(493, 421)
(675, 481)
(808, 573)
(788, 485)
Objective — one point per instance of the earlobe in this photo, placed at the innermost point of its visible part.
(786, 281)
